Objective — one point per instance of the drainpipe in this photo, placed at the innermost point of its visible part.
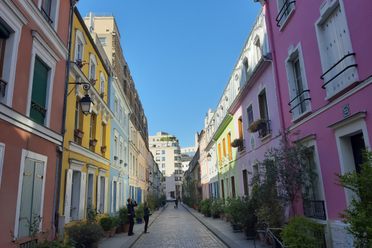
(57, 190)
(276, 74)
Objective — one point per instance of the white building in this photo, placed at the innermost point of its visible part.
(167, 154)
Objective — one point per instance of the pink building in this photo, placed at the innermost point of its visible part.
(321, 52)
(33, 53)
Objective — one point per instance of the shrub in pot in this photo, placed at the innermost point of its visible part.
(302, 232)
(217, 208)
(51, 244)
(236, 210)
(139, 213)
(205, 206)
(123, 220)
(109, 224)
(85, 235)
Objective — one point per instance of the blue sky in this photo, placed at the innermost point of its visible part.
(180, 54)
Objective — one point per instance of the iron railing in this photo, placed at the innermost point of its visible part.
(315, 209)
(46, 15)
(264, 129)
(38, 108)
(303, 99)
(340, 72)
(284, 11)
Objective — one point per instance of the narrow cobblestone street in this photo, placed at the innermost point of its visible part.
(178, 228)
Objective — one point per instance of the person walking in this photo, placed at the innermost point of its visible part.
(146, 216)
(130, 207)
(176, 202)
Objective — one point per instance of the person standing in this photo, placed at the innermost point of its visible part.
(146, 216)
(130, 207)
(176, 202)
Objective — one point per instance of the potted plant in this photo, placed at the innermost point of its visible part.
(256, 125)
(103, 149)
(139, 213)
(78, 133)
(85, 235)
(123, 220)
(205, 207)
(93, 142)
(216, 208)
(108, 224)
(236, 211)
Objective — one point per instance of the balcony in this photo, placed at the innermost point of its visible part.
(314, 209)
(284, 12)
(344, 70)
(46, 15)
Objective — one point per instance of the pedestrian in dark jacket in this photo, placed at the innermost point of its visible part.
(130, 207)
(146, 216)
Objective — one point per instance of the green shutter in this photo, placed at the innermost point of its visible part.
(39, 90)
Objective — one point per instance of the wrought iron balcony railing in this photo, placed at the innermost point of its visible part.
(314, 209)
(264, 129)
(299, 101)
(284, 12)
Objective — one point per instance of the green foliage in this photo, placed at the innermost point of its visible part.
(123, 216)
(140, 211)
(91, 215)
(236, 209)
(109, 222)
(358, 215)
(52, 244)
(84, 235)
(217, 208)
(205, 207)
(302, 233)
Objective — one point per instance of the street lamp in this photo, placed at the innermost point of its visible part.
(86, 102)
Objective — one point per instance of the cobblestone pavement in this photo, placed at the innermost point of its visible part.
(178, 228)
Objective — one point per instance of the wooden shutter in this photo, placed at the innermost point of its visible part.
(68, 192)
(39, 91)
(26, 199)
(83, 184)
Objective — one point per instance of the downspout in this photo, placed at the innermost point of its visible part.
(276, 74)
(59, 167)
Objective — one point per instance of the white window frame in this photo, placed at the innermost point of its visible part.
(345, 129)
(46, 54)
(326, 11)
(284, 21)
(2, 158)
(102, 81)
(92, 59)
(35, 156)
(54, 12)
(15, 19)
(293, 53)
(79, 36)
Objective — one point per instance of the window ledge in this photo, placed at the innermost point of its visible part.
(302, 116)
(266, 138)
(286, 20)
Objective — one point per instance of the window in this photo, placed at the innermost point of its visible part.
(102, 84)
(93, 124)
(4, 37)
(285, 7)
(92, 69)
(115, 146)
(245, 71)
(229, 150)
(46, 10)
(39, 91)
(163, 159)
(257, 48)
(337, 56)
(103, 41)
(79, 46)
(2, 155)
(29, 208)
(299, 93)
(79, 118)
(224, 146)
(245, 182)
(264, 115)
(103, 134)
(90, 191)
(250, 115)
(240, 127)
(101, 194)
(222, 189)
(233, 186)
(163, 152)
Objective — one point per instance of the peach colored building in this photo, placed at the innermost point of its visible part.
(33, 50)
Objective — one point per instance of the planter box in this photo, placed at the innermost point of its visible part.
(103, 149)
(78, 133)
(93, 142)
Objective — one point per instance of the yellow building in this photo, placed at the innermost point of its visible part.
(86, 151)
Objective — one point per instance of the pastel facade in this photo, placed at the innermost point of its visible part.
(33, 54)
(86, 156)
(119, 171)
(321, 56)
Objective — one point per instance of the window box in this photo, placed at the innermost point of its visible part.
(103, 149)
(80, 63)
(78, 133)
(116, 157)
(121, 161)
(3, 85)
(256, 125)
(93, 142)
(238, 143)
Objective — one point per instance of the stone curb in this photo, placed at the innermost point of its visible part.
(150, 223)
(220, 235)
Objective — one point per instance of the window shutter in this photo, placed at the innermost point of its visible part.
(39, 90)
(112, 196)
(68, 195)
(105, 199)
(117, 196)
(37, 190)
(83, 185)
(26, 199)
(98, 206)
